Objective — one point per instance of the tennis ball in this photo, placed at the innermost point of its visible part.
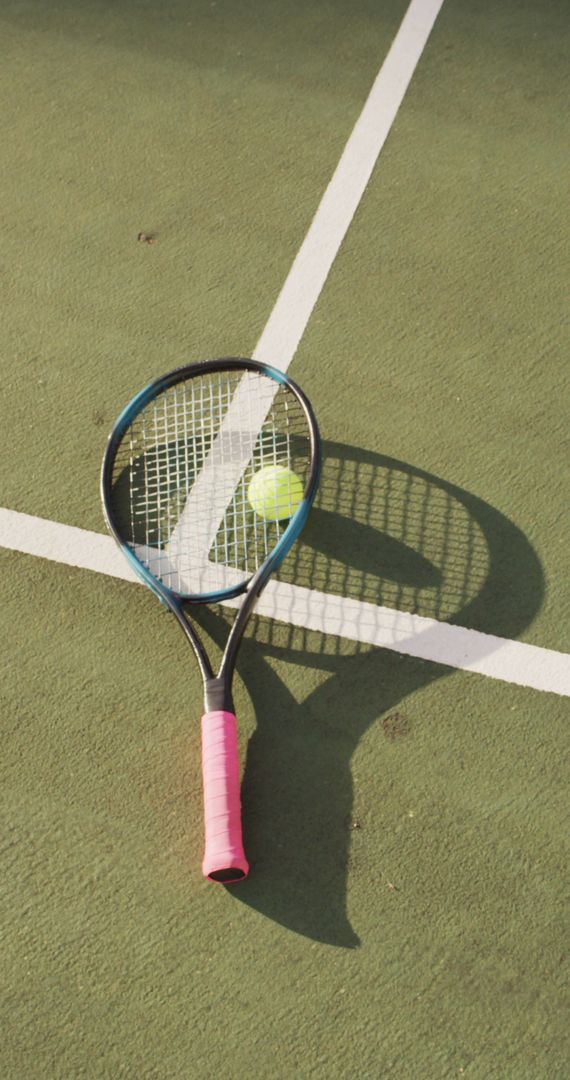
(275, 492)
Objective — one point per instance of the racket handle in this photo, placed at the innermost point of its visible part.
(224, 858)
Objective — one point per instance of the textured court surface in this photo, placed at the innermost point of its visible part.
(405, 822)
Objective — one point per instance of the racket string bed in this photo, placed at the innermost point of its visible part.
(208, 424)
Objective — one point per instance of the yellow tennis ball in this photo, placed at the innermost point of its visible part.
(275, 492)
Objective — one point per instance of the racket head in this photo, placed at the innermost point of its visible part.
(177, 470)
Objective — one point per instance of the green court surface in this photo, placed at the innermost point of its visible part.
(406, 821)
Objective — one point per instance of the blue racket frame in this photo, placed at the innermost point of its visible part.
(218, 688)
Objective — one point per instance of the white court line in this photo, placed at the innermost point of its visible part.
(316, 254)
(304, 283)
(411, 635)
(286, 324)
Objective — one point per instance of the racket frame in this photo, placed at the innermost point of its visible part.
(217, 686)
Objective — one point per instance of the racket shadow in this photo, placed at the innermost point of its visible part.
(387, 533)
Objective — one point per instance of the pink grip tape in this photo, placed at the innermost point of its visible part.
(224, 858)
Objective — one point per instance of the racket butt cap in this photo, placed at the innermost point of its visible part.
(227, 876)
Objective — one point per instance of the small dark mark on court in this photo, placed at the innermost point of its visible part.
(396, 726)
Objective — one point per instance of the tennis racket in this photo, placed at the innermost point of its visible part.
(181, 464)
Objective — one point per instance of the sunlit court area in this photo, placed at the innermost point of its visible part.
(284, 539)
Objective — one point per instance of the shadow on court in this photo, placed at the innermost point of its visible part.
(392, 535)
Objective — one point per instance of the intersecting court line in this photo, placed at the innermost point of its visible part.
(304, 283)
(511, 661)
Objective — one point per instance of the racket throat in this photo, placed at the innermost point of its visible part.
(217, 696)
